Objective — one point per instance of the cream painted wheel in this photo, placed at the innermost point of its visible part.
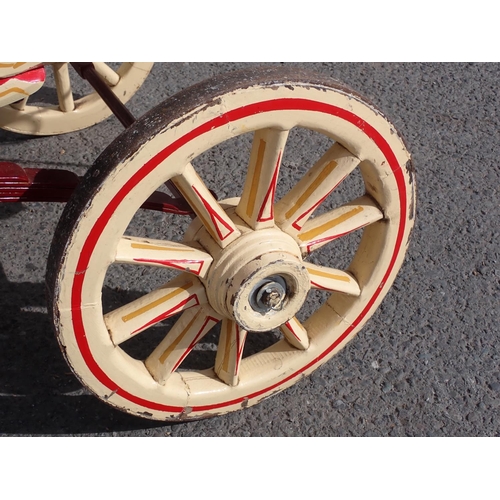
(244, 262)
(72, 113)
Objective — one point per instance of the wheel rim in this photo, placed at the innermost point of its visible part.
(156, 388)
(73, 114)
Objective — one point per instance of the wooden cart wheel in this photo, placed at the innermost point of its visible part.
(243, 262)
(73, 114)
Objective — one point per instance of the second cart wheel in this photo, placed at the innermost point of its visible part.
(71, 113)
(245, 263)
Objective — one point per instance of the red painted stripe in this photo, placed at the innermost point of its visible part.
(195, 340)
(296, 225)
(319, 287)
(270, 194)
(293, 104)
(169, 313)
(36, 75)
(289, 326)
(331, 238)
(215, 217)
(240, 343)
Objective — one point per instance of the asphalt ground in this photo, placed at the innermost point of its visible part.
(426, 363)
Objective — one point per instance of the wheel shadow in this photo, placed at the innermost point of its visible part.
(7, 137)
(38, 392)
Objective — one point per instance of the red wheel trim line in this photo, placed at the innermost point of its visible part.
(281, 104)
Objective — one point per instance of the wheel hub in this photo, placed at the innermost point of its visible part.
(269, 295)
(259, 280)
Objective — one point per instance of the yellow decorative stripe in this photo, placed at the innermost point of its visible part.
(313, 233)
(225, 363)
(256, 178)
(175, 343)
(13, 89)
(155, 303)
(147, 246)
(315, 272)
(330, 166)
(11, 65)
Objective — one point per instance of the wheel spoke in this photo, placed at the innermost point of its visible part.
(160, 253)
(338, 222)
(213, 217)
(230, 352)
(178, 295)
(295, 333)
(256, 206)
(189, 329)
(295, 208)
(104, 71)
(334, 280)
(63, 87)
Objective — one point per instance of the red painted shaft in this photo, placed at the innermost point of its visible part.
(18, 184)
